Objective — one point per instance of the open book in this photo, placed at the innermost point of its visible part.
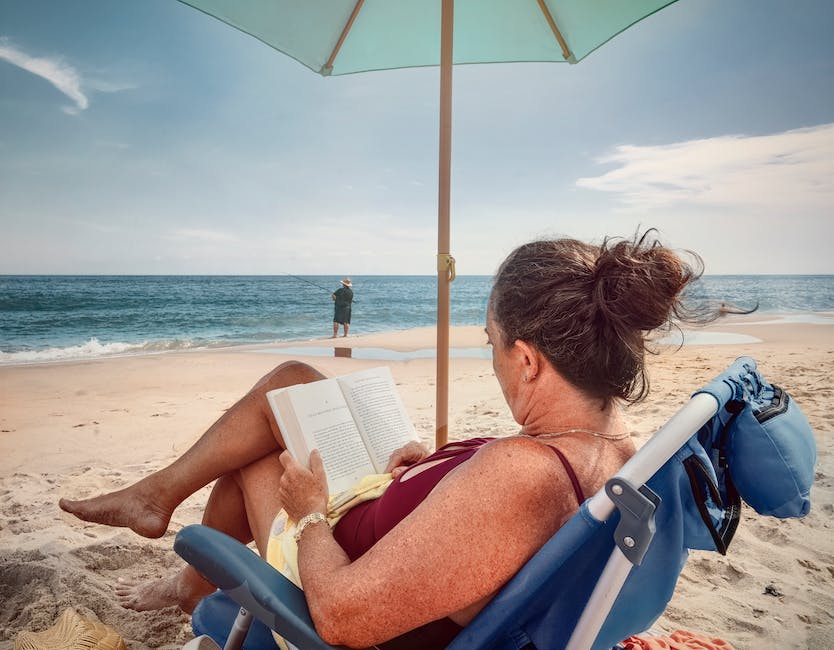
(355, 421)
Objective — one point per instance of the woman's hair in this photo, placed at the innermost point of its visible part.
(588, 308)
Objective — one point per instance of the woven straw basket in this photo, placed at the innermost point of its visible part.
(71, 632)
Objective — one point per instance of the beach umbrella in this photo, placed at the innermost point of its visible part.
(335, 37)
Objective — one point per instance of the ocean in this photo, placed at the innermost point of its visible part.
(50, 318)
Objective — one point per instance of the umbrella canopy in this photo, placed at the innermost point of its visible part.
(335, 37)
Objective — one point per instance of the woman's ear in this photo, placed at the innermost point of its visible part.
(528, 357)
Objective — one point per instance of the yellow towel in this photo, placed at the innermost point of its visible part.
(282, 550)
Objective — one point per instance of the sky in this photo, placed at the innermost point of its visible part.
(149, 138)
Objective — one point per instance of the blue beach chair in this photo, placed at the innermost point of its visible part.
(611, 570)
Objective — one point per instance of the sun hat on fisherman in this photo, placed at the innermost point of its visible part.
(347, 282)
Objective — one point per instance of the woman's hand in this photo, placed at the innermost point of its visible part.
(405, 457)
(303, 490)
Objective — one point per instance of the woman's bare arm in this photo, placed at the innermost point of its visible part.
(470, 535)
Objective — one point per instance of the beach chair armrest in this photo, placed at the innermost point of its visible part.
(251, 582)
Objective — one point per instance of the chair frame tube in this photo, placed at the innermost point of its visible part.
(240, 628)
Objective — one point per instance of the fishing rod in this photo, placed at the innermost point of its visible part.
(318, 286)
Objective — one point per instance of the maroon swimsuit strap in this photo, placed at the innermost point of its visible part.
(577, 489)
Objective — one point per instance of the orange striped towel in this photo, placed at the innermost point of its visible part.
(677, 640)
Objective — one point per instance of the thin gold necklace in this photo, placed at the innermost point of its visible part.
(598, 434)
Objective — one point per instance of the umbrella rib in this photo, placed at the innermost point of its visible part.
(328, 66)
(566, 53)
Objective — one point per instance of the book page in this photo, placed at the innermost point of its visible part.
(324, 422)
(379, 413)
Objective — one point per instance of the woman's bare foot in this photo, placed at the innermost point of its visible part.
(144, 596)
(136, 507)
(184, 589)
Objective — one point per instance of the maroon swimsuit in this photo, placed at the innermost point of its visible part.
(364, 525)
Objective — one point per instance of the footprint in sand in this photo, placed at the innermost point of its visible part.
(740, 623)
(24, 576)
(714, 568)
(108, 556)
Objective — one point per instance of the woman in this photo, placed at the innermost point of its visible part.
(567, 324)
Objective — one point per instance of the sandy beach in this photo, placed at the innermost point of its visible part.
(81, 428)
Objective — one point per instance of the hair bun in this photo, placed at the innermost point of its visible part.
(587, 307)
(636, 284)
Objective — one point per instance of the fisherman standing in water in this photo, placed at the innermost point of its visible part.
(343, 297)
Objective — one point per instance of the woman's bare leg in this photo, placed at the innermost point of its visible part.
(244, 434)
(242, 505)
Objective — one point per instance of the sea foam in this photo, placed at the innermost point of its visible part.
(93, 348)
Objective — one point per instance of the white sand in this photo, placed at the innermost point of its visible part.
(78, 429)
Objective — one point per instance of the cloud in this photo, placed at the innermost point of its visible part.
(790, 170)
(110, 86)
(196, 235)
(61, 75)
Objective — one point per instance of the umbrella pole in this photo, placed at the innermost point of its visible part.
(445, 262)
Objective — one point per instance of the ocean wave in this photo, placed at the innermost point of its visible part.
(94, 349)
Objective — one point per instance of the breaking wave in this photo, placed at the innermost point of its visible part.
(93, 349)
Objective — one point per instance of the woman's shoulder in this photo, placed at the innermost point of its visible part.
(516, 444)
(521, 462)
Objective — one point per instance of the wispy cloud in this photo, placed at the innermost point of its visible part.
(789, 170)
(60, 74)
(110, 86)
(199, 235)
